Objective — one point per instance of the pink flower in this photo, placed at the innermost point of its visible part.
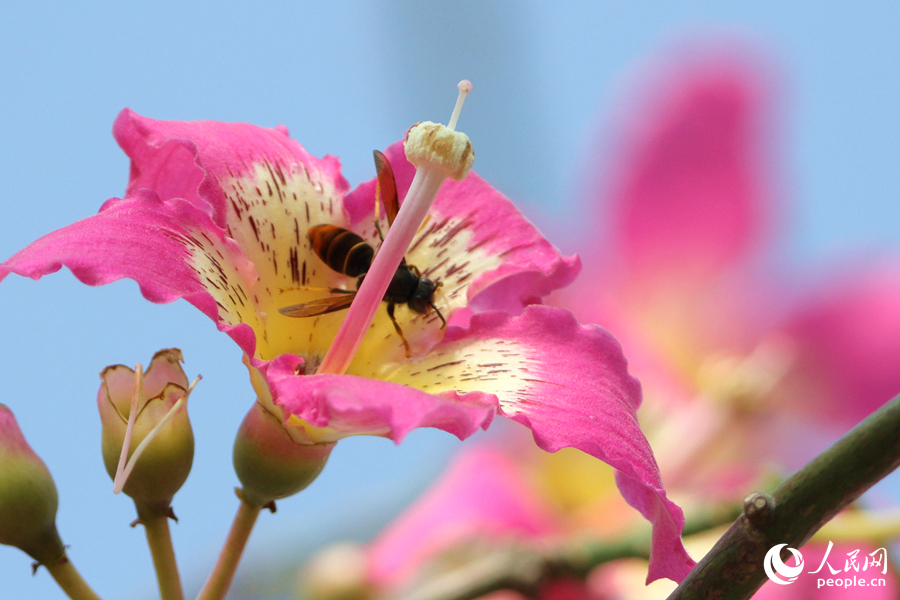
(486, 495)
(218, 213)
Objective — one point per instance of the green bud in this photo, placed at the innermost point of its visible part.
(28, 499)
(269, 463)
(164, 464)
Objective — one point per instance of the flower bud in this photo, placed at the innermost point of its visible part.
(163, 465)
(28, 499)
(269, 463)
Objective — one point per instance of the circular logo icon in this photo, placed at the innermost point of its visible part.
(774, 566)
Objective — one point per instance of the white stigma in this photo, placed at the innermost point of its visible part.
(465, 86)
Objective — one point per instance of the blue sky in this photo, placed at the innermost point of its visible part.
(347, 77)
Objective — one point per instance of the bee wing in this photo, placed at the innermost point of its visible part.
(319, 306)
(386, 189)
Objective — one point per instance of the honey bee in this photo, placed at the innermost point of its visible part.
(347, 253)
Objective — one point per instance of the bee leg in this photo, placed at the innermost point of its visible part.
(341, 291)
(443, 320)
(390, 311)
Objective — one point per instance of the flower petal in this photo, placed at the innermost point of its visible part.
(171, 249)
(341, 405)
(236, 202)
(217, 163)
(136, 238)
(690, 192)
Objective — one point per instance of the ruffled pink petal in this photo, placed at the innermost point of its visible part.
(481, 496)
(498, 243)
(195, 159)
(848, 347)
(350, 405)
(690, 190)
(140, 238)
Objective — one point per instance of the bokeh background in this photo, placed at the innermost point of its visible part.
(347, 77)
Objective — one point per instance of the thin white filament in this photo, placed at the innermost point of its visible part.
(118, 481)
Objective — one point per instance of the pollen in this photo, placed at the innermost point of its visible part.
(440, 147)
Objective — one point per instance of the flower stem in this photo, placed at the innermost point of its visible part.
(797, 509)
(160, 542)
(220, 579)
(70, 580)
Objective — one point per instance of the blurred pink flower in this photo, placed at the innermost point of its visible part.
(482, 495)
(218, 214)
(725, 348)
(491, 495)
